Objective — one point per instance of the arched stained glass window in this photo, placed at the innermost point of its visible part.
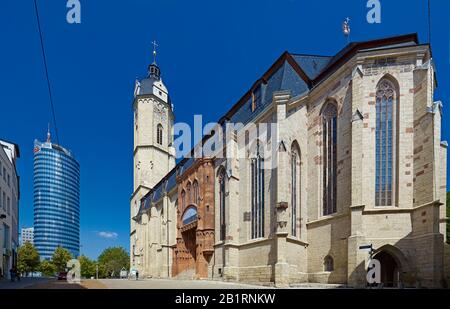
(386, 97)
(222, 178)
(258, 194)
(329, 117)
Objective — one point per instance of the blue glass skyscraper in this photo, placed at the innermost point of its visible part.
(56, 199)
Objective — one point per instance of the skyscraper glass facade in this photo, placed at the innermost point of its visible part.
(56, 200)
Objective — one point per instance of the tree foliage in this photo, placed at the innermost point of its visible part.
(60, 258)
(27, 258)
(88, 267)
(47, 268)
(112, 260)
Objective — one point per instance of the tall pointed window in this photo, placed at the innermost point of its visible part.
(159, 134)
(183, 199)
(295, 188)
(189, 192)
(222, 178)
(257, 185)
(329, 115)
(196, 193)
(385, 143)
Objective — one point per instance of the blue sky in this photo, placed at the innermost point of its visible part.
(210, 53)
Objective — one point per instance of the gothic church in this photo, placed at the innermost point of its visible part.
(359, 162)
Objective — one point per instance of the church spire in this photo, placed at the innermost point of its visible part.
(153, 69)
(154, 51)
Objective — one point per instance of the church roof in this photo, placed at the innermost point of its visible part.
(312, 65)
(353, 48)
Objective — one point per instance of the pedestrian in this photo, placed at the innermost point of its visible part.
(137, 275)
(12, 275)
(17, 273)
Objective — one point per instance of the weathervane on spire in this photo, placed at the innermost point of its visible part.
(346, 28)
(154, 51)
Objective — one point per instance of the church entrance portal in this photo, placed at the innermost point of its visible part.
(190, 241)
(390, 269)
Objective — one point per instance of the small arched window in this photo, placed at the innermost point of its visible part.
(328, 264)
(159, 134)
(222, 178)
(329, 120)
(196, 193)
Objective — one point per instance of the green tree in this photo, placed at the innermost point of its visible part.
(60, 258)
(47, 268)
(27, 258)
(88, 267)
(112, 260)
(448, 216)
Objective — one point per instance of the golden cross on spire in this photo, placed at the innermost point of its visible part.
(154, 51)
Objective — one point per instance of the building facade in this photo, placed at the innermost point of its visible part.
(350, 156)
(27, 235)
(56, 199)
(9, 206)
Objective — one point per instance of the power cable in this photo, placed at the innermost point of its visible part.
(46, 71)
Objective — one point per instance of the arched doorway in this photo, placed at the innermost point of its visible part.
(390, 269)
(188, 232)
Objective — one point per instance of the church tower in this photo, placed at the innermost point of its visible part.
(153, 153)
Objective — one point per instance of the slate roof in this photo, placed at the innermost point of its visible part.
(312, 65)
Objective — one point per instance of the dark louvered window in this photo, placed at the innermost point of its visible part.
(256, 98)
(159, 134)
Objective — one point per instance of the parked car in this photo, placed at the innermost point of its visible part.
(62, 275)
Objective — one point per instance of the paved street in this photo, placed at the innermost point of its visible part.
(195, 284)
(174, 284)
(24, 283)
(42, 283)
